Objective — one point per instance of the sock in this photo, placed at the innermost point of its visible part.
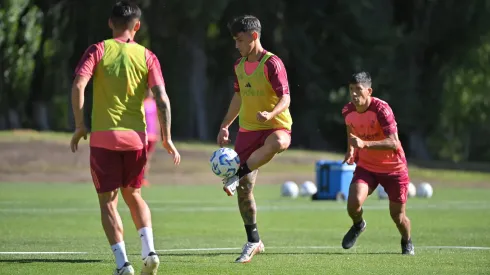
(405, 242)
(146, 236)
(243, 171)
(359, 225)
(119, 251)
(252, 233)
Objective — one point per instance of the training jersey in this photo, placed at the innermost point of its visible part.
(122, 72)
(261, 84)
(151, 115)
(376, 123)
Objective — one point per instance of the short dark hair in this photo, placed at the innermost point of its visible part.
(363, 78)
(245, 23)
(123, 13)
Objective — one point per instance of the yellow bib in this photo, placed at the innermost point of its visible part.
(257, 95)
(120, 83)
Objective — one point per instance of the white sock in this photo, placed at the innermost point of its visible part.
(146, 236)
(119, 251)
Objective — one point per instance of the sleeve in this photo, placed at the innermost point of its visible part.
(155, 76)
(386, 119)
(277, 75)
(236, 86)
(347, 109)
(90, 59)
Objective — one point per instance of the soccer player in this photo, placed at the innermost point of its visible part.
(123, 71)
(373, 144)
(152, 130)
(261, 101)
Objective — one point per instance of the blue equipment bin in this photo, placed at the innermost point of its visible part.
(333, 180)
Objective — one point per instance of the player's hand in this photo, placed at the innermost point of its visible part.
(356, 142)
(264, 116)
(77, 135)
(349, 157)
(170, 147)
(223, 137)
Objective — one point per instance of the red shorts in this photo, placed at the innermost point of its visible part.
(114, 169)
(395, 184)
(248, 142)
(151, 146)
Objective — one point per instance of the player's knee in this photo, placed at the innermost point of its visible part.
(397, 218)
(280, 144)
(108, 198)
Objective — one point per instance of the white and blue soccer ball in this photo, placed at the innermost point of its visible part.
(412, 190)
(224, 162)
(308, 188)
(382, 195)
(424, 190)
(289, 189)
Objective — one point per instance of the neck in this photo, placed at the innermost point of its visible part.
(256, 53)
(363, 108)
(124, 35)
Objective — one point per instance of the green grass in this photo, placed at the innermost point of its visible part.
(301, 236)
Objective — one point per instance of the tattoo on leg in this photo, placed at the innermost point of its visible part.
(246, 200)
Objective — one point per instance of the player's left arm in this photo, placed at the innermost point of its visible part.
(386, 120)
(279, 81)
(389, 143)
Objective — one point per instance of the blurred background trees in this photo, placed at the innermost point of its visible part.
(429, 60)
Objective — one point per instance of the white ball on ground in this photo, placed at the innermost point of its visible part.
(382, 195)
(308, 188)
(289, 189)
(412, 190)
(424, 190)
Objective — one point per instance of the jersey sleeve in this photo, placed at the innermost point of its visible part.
(236, 86)
(386, 119)
(348, 108)
(90, 59)
(155, 76)
(276, 72)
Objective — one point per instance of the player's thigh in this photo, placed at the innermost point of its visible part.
(278, 139)
(134, 167)
(246, 143)
(395, 185)
(362, 185)
(106, 167)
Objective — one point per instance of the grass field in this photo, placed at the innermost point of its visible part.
(198, 231)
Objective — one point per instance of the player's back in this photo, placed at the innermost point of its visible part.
(120, 83)
(375, 124)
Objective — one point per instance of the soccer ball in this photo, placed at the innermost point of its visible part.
(224, 162)
(289, 189)
(382, 195)
(424, 190)
(412, 190)
(308, 188)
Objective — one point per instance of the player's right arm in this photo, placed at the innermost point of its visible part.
(231, 115)
(349, 155)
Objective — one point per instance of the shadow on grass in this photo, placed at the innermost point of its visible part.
(36, 260)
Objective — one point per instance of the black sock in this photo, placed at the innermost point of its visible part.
(243, 171)
(252, 233)
(359, 225)
(405, 242)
